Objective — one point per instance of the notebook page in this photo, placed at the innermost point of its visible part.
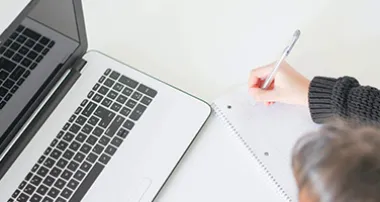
(269, 132)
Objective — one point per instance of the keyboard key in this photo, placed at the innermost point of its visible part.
(127, 91)
(8, 97)
(73, 166)
(36, 180)
(122, 133)
(3, 91)
(22, 198)
(75, 146)
(29, 189)
(68, 154)
(69, 136)
(26, 62)
(48, 181)
(42, 171)
(53, 193)
(107, 72)
(97, 98)
(115, 126)
(116, 107)
(22, 185)
(104, 159)
(28, 176)
(66, 126)
(20, 81)
(6, 64)
(104, 140)
(23, 51)
(73, 184)
(2, 104)
(101, 79)
(41, 159)
(56, 154)
(97, 131)
(85, 148)
(59, 184)
(33, 66)
(85, 167)
(81, 137)
(62, 145)
(29, 43)
(110, 150)
(66, 193)
(98, 149)
(44, 41)
(49, 163)
(112, 95)
(66, 175)
(90, 108)
(105, 115)
(2, 50)
(131, 103)
(121, 99)
(51, 44)
(91, 140)
(55, 172)
(93, 120)
(9, 83)
(147, 91)
(87, 129)
(39, 58)
(45, 51)
(106, 102)
(31, 34)
(115, 75)
(79, 157)
(78, 110)
(60, 134)
(79, 175)
(16, 193)
(20, 28)
(14, 89)
(74, 128)
(90, 94)
(128, 125)
(109, 83)
(13, 36)
(127, 81)
(35, 167)
(35, 198)
(15, 46)
(62, 163)
(136, 114)
(72, 118)
(103, 90)
(91, 158)
(32, 55)
(87, 183)
(9, 53)
(84, 102)
(42, 190)
(8, 43)
(21, 39)
(38, 48)
(136, 96)
(47, 199)
(96, 87)
(116, 141)
(54, 142)
(118, 87)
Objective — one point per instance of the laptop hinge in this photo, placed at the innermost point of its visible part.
(36, 121)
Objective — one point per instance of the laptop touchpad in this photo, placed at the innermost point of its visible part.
(140, 189)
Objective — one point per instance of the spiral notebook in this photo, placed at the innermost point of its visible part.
(268, 133)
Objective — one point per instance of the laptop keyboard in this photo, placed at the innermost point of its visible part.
(19, 55)
(87, 142)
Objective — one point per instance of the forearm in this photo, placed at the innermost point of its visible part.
(344, 98)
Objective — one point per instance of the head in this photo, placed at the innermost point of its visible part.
(338, 163)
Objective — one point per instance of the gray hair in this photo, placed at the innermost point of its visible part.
(340, 162)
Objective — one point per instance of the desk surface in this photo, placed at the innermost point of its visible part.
(207, 46)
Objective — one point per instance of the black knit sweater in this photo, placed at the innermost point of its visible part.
(344, 98)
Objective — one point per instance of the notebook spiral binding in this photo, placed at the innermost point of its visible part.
(233, 129)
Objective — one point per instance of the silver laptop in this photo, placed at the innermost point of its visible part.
(77, 125)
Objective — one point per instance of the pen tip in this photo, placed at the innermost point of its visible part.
(297, 33)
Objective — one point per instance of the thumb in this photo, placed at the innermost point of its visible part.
(261, 95)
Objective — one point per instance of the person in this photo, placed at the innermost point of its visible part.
(340, 161)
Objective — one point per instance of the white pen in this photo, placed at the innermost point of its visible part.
(286, 52)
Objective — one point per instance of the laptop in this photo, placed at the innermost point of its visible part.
(78, 125)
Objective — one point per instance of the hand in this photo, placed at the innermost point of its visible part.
(288, 86)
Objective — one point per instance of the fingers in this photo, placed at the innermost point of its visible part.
(258, 75)
(266, 96)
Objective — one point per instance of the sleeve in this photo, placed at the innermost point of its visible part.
(343, 98)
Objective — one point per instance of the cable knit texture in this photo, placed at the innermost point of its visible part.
(344, 98)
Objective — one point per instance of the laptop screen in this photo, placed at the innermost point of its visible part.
(49, 37)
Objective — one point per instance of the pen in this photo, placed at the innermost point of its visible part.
(286, 52)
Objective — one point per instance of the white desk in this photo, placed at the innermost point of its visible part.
(206, 46)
